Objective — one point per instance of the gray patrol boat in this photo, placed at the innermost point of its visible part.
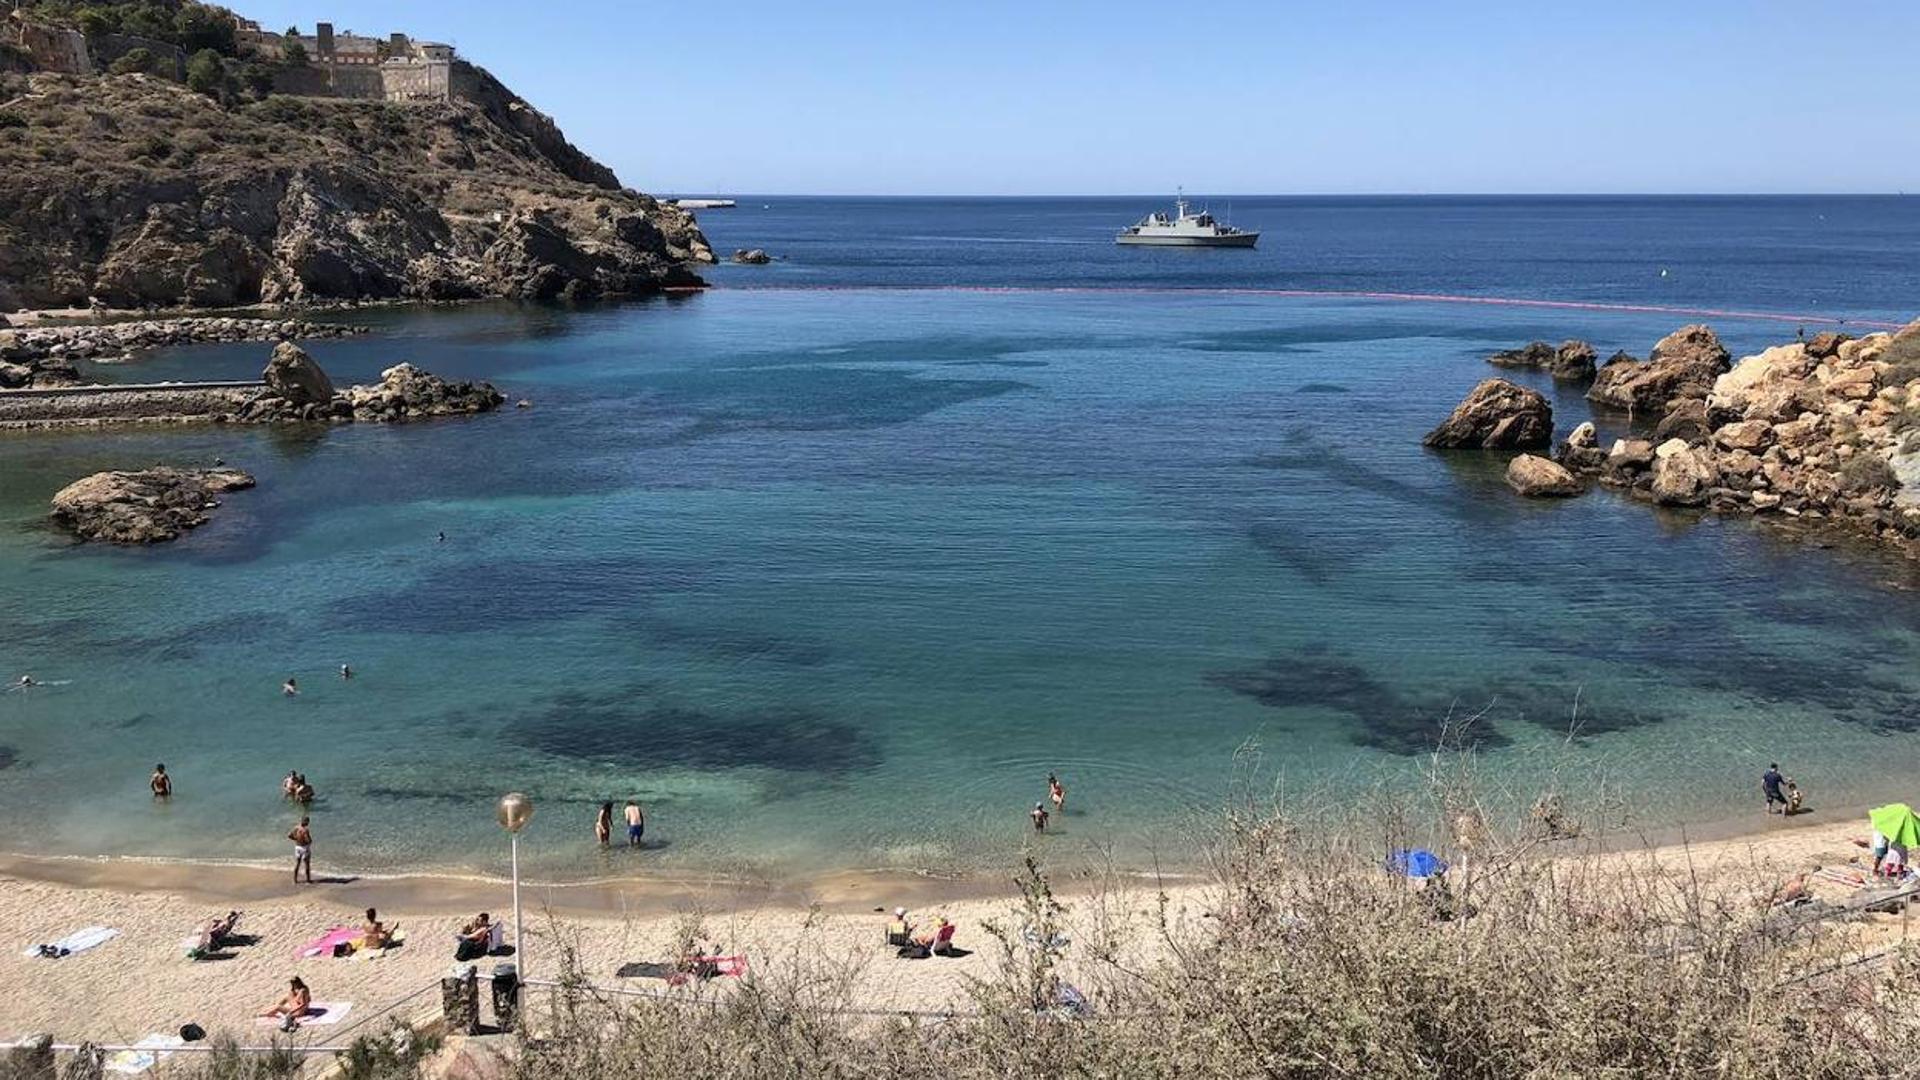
(1185, 229)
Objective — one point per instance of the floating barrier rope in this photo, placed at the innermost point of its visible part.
(1341, 294)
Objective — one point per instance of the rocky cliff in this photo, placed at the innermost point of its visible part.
(132, 190)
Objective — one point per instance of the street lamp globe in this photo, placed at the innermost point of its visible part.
(514, 811)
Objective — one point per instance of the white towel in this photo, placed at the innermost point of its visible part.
(155, 1049)
(79, 941)
(319, 1014)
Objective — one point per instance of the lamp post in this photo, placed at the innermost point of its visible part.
(514, 811)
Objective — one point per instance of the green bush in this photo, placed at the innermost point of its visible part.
(133, 62)
(207, 74)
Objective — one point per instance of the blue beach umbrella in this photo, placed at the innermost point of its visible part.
(1418, 862)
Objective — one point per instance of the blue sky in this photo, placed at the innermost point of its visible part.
(1130, 98)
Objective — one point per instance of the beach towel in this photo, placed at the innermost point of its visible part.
(148, 1052)
(319, 1014)
(77, 942)
(324, 944)
(713, 967)
(399, 938)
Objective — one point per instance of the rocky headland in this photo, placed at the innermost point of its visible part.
(1823, 430)
(43, 356)
(150, 506)
(246, 183)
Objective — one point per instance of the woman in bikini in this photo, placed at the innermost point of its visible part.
(295, 1005)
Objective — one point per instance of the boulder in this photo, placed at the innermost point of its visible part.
(1496, 415)
(752, 257)
(1570, 360)
(1631, 455)
(1748, 435)
(1535, 476)
(14, 376)
(1682, 475)
(1826, 344)
(1684, 364)
(1686, 419)
(146, 507)
(1581, 452)
(292, 375)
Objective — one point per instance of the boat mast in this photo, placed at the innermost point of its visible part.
(1179, 202)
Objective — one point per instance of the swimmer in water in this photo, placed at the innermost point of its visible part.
(25, 682)
(161, 783)
(443, 537)
(290, 688)
(1058, 793)
(346, 672)
(1039, 816)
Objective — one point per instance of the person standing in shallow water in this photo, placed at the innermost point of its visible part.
(1058, 793)
(636, 823)
(161, 783)
(302, 837)
(1039, 816)
(1770, 788)
(603, 824)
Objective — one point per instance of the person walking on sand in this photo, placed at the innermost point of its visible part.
(1039, 816)
(636, 823)
(1770, 787)
(1058, 793)
(603, 824)
(161, 783)
(302, 837)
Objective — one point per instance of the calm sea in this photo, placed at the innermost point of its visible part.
(831, 565)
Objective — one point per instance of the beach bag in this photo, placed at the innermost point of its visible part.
(192, 1033)
(914, 952)
(468, 949)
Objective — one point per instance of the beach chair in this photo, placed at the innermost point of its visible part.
(943, 941)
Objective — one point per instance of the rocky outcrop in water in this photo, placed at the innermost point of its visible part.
(293, 376)
(294, 390)
(1825, 430)
(1570, 361)
(1496, 415)
(146, 507)
(1535, 476)
(752, 257)
(297, 389)
(1683, 364)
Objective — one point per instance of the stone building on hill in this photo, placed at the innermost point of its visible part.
(350, 65)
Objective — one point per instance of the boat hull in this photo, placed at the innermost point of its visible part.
(1238, 240)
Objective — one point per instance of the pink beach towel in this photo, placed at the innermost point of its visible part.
(324, 944)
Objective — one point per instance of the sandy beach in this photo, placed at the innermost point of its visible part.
(140, 983)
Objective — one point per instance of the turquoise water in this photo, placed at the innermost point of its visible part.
(834, 579)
